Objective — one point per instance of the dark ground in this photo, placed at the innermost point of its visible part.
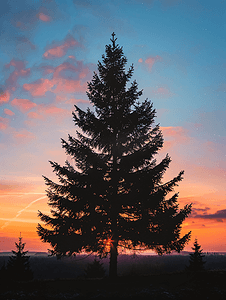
(140, 277)
(207, 285)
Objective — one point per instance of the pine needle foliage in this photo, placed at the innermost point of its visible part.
(112, 194)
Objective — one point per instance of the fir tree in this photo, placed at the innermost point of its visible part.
(196, 262)
(18, 266)
(112, 195)
(95, 270)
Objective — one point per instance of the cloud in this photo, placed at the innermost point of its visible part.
(3, 123)
(19, 71)
(59, 49)
(34, 115)
(74, 101)
(196, 211)
(174, 136)
(39, 87)
(9, 112)
(4, 96)
(45, 111)
(150, 61)
(220, 214)
(52, 110)
(66, 78)
(23, 104)
(24, 44)
(23, 136)
(179, 133)
(162, 92)
(21, 211)
(43, 17)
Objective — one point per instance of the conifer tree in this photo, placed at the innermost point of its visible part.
(112, 194)
(95, 270)
(18, 266)
(196, 262)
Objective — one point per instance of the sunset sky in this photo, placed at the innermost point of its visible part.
(49, 50)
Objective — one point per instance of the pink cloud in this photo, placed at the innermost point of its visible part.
(3, 123)
(8, 112)
(174, 135)
(71, 56)
(173, 131)
(39, 87)
(65, 83)
(43, 17)
(65, 67)
(69, 86)
(34, 115)
(47, 69)
(52, 110)
(151, 60)
(68, 77)
(74, 100)
(19, 71)
(23, 104)
(4, 97)
(23, 135)
(140, 60)
(162, 92)
(60, 50)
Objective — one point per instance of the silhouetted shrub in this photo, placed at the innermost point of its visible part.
(95, 270)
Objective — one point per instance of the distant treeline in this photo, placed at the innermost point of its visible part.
(45, 267)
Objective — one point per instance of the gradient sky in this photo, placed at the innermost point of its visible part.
(49, 50)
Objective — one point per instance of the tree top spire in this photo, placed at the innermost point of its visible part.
(113, 39)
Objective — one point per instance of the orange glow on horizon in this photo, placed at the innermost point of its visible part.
(19, 213)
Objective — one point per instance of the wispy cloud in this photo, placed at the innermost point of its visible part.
(3, 123)
(9, 112)
(21, 211)
(39, 87)
(59, 49)
(220, 214)
(150, 61)
(23, 104)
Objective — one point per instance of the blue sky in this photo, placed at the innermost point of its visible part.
(49, 50)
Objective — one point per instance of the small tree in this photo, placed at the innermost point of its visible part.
(196, 262)
(95, 270)
(18, 266)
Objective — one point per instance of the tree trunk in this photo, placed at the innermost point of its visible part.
(113, 260)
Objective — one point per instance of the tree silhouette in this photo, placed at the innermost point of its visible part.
(95, 270)
(18, 266)
(111, 195)
(196, 262)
